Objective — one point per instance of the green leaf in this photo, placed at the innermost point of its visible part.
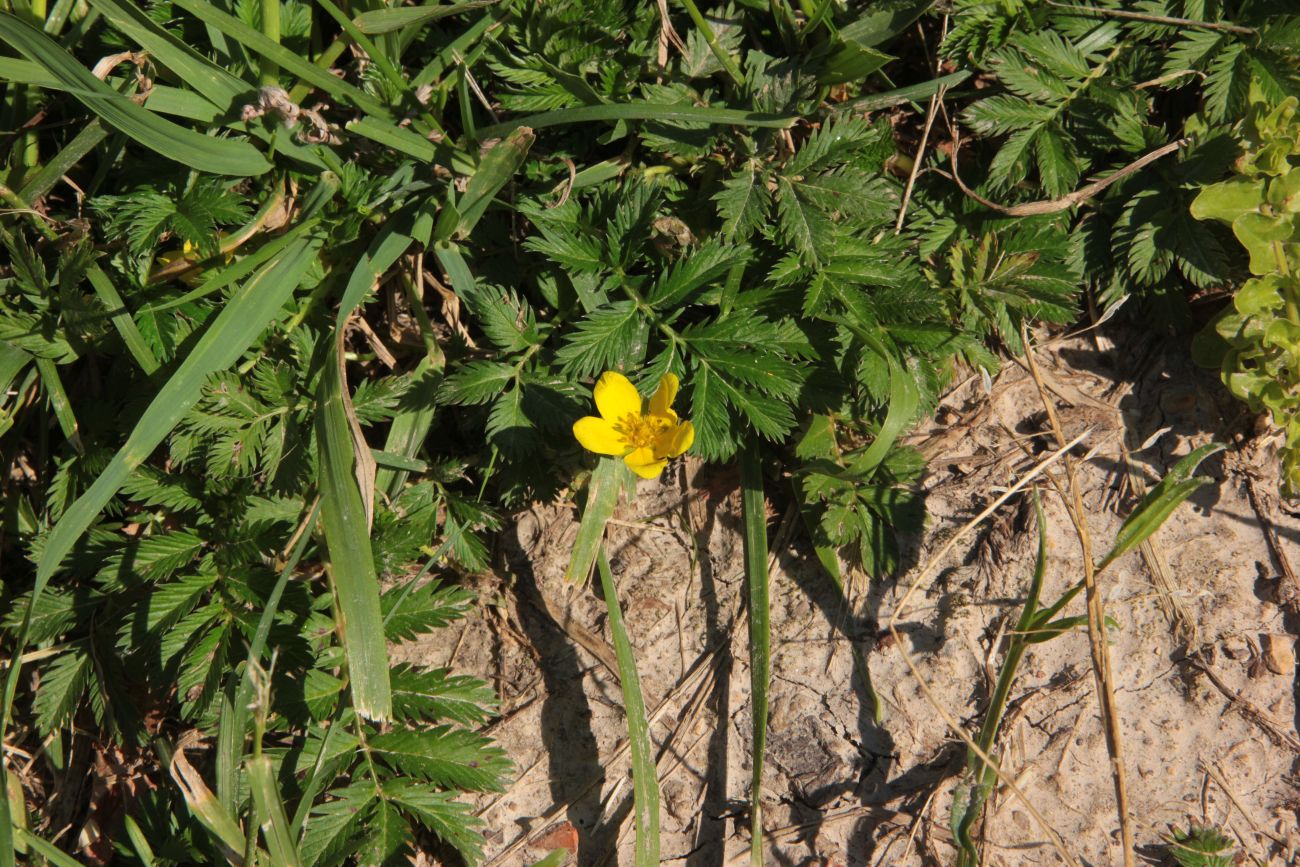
(445, 756)
(218, 86)
(270, 813)
(390, 20)
(612, 337)
(496, 169)
(335, 827)
(743, 202)
(246, 314)
(477, 382)
(754, 518)
(1160, 502)
(438, 695)
(411, 612)
(1228, 200)
(204, 153)
(702, 267)
(665, 114)
(282, 57)
(645, 776)
(351, 561)
(62, 684)
(454, 823)
(607, 482)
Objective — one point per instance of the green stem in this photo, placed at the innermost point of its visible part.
(754, 511)
(271, 29)
(728, 62)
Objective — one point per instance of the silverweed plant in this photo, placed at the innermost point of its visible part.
(301, 298)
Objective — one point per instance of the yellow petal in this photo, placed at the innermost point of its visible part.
(676, 441)
(661, 403)
(599, 436)
(616, 397)
(644, 464)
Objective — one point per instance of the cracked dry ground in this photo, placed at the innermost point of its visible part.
(1202, 649)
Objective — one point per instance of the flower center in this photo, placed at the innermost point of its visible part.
(641, 431)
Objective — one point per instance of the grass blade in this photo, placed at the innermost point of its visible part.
(399, 139)
(48, 851)
(59, 401)
(218, 86)
(44, 180)
(642, 111)
(602, 496)
(204, 153)
(289, 61)
(900, 95)
(121, 319)
(970, 802)
(236, 701)
(407, 432)
(645, 779)
(378, 21)
(351, 561)
(1160, 502)
(754, 513)
(270, 813)
(497, 168)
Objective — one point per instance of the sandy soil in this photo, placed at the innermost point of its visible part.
(1202, 649)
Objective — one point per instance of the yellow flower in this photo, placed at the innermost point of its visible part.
(644, 433)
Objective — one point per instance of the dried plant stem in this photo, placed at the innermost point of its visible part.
(935, 100)
(1100, 651)
(1054, 206)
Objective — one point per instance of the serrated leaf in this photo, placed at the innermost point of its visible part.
(453, 822)
(614, 337)
(443, 755)
(509, 428)
(62, 684)
(477, 382)
(701, 267)
(427, 608)
(743, 202)
(429, 696)
(998, 115)
(335, 828)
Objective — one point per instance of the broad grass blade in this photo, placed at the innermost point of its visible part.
(645, 778)
(48, 851)
(900, 95)
(291, 62)
(205, 153)
(602, 496)
(666, 114)
(351, 560)
(496, 170)
(270, 813)
(754, 515)
(1160, 502)
(49, 174)
(390, 20)
(218, 86)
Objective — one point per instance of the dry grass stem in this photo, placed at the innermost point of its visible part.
(1100, 650)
